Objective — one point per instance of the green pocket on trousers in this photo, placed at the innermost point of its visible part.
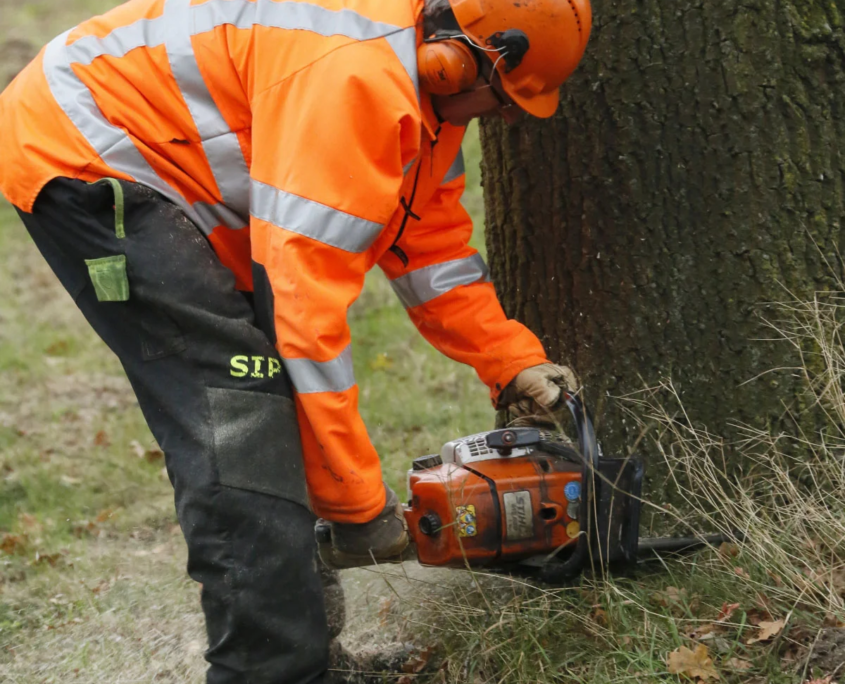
(108, 276)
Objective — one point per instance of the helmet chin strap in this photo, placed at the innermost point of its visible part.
(483, 100)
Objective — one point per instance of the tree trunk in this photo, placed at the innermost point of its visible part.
(693, 174)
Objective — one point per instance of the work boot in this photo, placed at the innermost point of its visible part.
(383, 538)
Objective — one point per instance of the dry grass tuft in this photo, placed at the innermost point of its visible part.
(768, 608)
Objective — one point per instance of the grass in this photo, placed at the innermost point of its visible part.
(768, 609)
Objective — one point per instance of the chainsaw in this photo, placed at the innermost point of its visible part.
(526, 501)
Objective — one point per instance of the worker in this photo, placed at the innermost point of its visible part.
(211, 180)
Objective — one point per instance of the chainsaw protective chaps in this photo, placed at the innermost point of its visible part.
(219, 402)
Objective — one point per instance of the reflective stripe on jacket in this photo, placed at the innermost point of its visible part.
(350, 168)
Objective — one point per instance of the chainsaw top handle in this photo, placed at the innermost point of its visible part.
(504, 440)
(587, 441)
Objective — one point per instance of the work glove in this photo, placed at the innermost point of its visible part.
(533, 393)
(384, 538)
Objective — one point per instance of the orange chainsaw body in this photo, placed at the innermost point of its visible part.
(480, 511)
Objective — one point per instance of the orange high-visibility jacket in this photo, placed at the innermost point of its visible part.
(294, 135)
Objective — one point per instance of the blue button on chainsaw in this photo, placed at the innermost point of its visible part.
(572, 491)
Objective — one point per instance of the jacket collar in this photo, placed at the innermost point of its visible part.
(429, 119)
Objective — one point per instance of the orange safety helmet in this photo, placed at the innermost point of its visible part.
(557, 33)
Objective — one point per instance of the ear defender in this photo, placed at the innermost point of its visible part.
(446, 67)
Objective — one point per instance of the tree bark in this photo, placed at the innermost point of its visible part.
(692, 175)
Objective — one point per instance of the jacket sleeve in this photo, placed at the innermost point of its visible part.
(330, 143)
(449, 297)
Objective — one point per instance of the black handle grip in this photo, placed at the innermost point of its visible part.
(512, 438)
(587, 440)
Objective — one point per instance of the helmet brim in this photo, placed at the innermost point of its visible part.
(542, 106)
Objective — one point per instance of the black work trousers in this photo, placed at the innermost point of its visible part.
(215, 395)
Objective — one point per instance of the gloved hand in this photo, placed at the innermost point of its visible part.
(543, 384)
(530, 396)
(383, 538)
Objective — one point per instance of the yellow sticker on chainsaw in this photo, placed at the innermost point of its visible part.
(467, 521)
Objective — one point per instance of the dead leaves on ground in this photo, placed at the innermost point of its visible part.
(22, 545)
(695, 664)
(381, 362)
(14, 544)
(738, 664)
(767, 630)
(416, 663)
(153, 455)
(726, 611)
(677, 601)
(720, 636)
(94, 528)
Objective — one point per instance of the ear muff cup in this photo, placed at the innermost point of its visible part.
(447, 67)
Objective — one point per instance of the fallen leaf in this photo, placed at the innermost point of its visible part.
(764, 603)
(739, 664)
(69, 481)
(757, 615)
(83, 528)
(726, 611)
(381, 362)
(30, 523)
(149, 455)
(50, 559)
(599, 616)
(702, 632)
(833, 621)
(741, 572)
(767, 631)
(824, 680)
(775, 578)
(669, 596)
(675, 594)
(417, 662)
(101, 439)
(58, 348)
(104, 585)
(728, 550)
(696, 664)
(385, 604)
(104, 515)
(12, 544)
